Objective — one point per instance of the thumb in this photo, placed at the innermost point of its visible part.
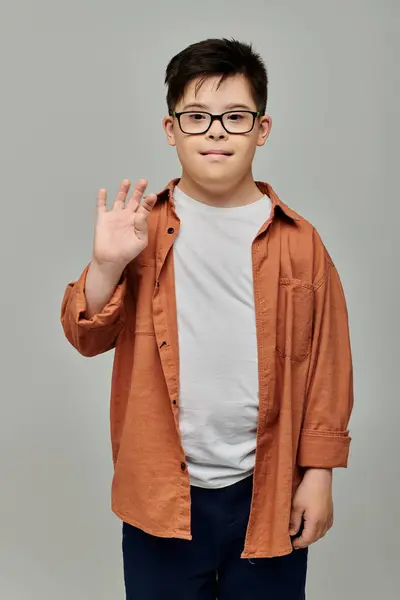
(142, 213)
(295, 520)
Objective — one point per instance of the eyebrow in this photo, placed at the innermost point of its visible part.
(205, 107)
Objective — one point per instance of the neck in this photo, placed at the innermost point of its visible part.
(236, 193)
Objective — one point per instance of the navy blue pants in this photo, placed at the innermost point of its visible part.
(209, 566)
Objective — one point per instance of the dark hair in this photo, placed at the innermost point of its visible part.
(216, 57)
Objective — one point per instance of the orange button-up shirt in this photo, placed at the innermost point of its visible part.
(304, 368)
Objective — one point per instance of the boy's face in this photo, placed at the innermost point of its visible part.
(233, 94)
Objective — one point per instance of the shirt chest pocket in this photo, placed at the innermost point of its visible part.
(294, 319)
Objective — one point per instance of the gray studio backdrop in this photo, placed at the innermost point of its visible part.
(82, 99)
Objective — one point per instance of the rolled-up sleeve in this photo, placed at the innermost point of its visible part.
(99, 333)
(324, 438)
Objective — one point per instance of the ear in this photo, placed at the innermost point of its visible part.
(168, 125)
(264, 128)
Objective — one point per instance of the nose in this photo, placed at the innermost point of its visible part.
(216, 131)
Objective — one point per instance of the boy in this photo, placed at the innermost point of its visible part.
(232, 380)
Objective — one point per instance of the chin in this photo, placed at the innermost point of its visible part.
(214, 172)
(212, 175)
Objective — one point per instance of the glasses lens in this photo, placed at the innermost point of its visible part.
(238, 121)
(195, 122)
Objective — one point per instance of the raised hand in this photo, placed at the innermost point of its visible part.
(121, 233)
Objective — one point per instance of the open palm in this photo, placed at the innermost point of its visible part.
(121, 233)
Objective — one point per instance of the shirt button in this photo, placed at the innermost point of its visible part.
(171, 230)
(183, 466)
(173, 401)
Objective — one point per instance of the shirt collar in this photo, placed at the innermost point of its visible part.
(263, 186)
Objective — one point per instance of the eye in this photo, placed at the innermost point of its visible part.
(196, 116)
(235, 116)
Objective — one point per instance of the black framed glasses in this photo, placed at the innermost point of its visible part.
(197, 122)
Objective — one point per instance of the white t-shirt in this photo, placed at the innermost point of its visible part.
(217, 338)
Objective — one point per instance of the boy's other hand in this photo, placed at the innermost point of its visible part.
(121, 233)
(312, 508)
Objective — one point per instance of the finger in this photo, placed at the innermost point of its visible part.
(321, 529)
(142, 214)
(308, 536)
(303, 541)
(295, 521)
(119, 202)
(102, 200)
(327, 527)
(146, 207)
(137, 195)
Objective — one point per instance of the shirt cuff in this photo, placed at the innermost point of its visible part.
(111, 311)
(323, 449)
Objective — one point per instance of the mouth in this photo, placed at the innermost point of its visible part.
(216, 153)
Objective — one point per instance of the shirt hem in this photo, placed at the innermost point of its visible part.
(267, 553)
(165, 533)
